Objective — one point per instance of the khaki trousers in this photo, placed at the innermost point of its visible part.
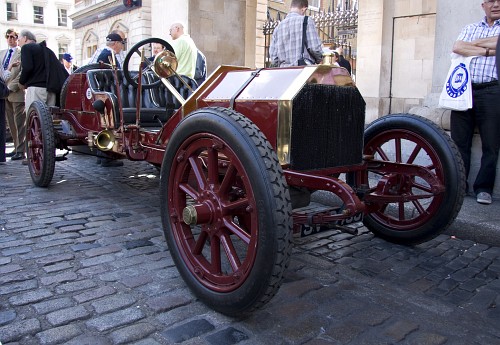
(35, 93)
(16, 118)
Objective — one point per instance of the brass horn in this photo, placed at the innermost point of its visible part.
(165, 64)
(105, 140)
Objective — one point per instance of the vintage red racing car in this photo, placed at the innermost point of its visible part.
(240, 155)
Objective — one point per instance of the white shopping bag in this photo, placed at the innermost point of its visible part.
(457, 89)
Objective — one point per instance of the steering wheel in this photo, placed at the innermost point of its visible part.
(147, 63)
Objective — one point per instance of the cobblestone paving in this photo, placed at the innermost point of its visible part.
(85, 262)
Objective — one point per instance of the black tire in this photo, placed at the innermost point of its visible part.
(413, 222)
(81, 69)
(40, 138)
(136, 50)
(255, 177)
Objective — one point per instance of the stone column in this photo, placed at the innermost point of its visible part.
(373, 60)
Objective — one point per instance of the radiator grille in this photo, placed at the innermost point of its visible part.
(327, 127)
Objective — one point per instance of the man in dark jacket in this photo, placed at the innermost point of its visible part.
(36, 62)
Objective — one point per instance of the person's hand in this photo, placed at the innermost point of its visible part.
(14, 64)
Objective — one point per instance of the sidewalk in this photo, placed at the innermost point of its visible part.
(478, 223)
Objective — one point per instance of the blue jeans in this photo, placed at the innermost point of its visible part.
(485, 115)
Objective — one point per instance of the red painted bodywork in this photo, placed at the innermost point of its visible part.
(259, 101)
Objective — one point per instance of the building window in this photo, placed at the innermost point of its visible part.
(63, 48)
(62, 17)
(314, 4)
(89, 47)
(38, 14)
(11, 11)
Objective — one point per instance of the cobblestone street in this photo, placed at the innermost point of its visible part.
(85, 262)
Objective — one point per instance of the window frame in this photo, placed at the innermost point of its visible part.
(62, 48)
(13, 13)
(62, 17)
(38, 18)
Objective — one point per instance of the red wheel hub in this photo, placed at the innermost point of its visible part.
(217, 235)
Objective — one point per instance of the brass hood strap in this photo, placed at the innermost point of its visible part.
(243, 87)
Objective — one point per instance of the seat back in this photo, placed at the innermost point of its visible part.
(155, 102)
(103, 80)
(165, 99)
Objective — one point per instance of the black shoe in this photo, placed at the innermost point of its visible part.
(17, 157)
(61, 158)
(106, 162)
(10, 154)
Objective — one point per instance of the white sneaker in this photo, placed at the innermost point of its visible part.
(484, 198)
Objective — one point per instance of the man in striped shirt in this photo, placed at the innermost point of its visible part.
(480, 39)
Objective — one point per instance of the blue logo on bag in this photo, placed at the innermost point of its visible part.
(457, 83)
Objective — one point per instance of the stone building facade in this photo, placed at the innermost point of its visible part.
(47, 19)
(227, 31)
(404, 51)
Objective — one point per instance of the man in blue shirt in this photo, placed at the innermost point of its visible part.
(114, 45)
(479, 39)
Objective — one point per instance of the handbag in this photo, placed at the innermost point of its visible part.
(457, 89)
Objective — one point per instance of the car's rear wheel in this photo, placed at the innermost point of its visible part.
(225, 210)
(41, 151)
(420, 213)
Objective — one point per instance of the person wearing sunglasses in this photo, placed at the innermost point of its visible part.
(14, 103)
(479, 40)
